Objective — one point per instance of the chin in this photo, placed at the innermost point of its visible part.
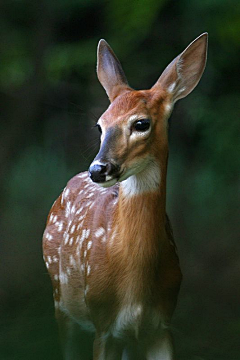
(108, 183)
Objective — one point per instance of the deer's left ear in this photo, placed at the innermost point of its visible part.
(110, 72)
(182, 75)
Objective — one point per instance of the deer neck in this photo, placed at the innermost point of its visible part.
(141, 209)
(147, 188)
(140, 230)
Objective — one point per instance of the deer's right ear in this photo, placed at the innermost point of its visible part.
(110, 72)
(182, 75)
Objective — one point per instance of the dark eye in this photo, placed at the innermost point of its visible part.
(141, 125)
(99, 128)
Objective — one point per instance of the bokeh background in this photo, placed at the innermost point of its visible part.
(50, 99)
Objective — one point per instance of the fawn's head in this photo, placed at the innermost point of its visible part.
(134, 127)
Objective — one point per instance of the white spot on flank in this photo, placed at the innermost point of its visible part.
(51, 217)
(88, 204)
(89, 245)
(100, 231)
(71, 241)
(82, 175)
(102, 190)
(66, 193)
(88, 269)
(72, 229)
(83, 237)
(48, 236)
(54, 219)
(49, 259)
(91, 205)
(78, 251)
(73, 209)
(60, 226)
(80, 209)
(66, 237)
(56, 277)
(80, 225)
(68, 209)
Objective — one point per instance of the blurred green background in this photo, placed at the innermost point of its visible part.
(50, 99)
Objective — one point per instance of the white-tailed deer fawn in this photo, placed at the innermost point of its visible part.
(108, 244)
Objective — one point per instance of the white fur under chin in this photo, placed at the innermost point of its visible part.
(148, 180)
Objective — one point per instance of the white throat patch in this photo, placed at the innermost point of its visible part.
(148, 180)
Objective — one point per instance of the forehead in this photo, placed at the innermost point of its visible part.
(132, 103)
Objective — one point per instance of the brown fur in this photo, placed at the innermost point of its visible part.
(111, 257)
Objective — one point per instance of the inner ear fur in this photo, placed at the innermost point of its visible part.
(182, 75)
(110, 72)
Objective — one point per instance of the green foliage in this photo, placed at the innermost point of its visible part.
(64, 58)
(132, 20)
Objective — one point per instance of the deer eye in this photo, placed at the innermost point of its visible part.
(99, 128)
(141, 125)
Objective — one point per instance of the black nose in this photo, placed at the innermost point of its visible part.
(101, 172)
(97, 172)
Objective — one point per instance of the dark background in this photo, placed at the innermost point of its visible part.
(50, 99)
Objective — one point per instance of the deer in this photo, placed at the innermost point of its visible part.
(108, 243)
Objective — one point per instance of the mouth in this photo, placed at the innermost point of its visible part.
(104, 173)
(108, 183)
(108, 180)
(112, 180)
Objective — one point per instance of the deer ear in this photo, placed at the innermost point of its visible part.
(182, 75)
(110, 72)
